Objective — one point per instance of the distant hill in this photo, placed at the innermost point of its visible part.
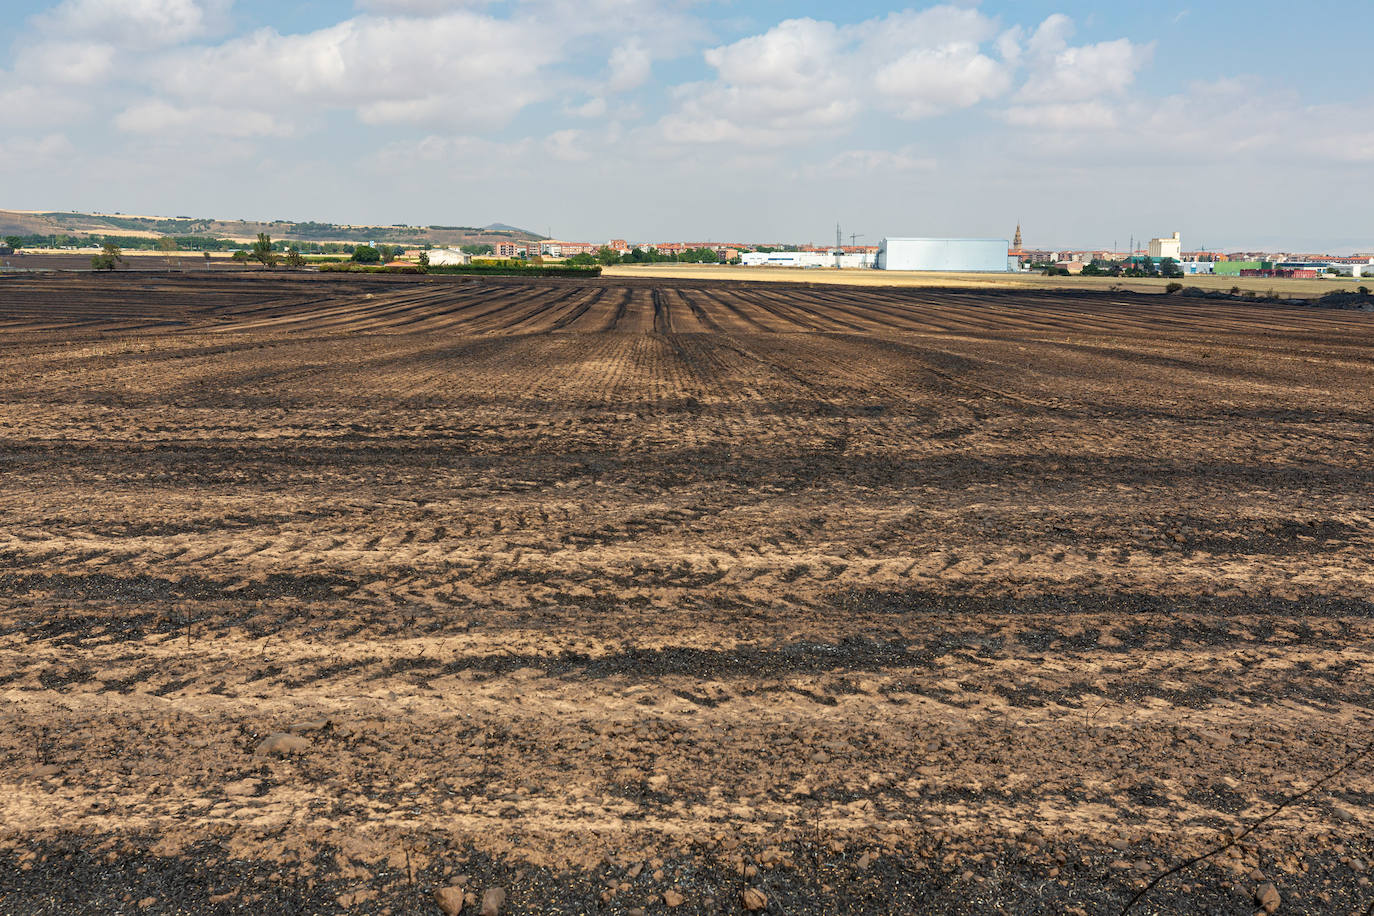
(87, 225)
(502, 227)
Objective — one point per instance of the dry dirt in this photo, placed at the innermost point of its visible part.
(869, 600)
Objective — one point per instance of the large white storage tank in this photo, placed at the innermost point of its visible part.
(954, 255)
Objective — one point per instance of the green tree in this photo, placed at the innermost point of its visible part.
(294, 259)
(242, 257)
(582, 259)
(14, 241)
(606, 256)
(109, 258)
(424, 260)
(262, 250)
(207, 259)
(477, 249)
(366, 254)
(1168, 267)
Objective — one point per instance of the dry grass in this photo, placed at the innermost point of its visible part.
(1290, 288)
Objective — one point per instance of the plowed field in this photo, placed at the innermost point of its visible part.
(867, 600)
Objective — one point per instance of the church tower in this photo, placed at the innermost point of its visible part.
(1016, 244)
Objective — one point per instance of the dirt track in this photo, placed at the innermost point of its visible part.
(872, 599)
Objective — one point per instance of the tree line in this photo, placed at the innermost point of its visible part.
(606, 256)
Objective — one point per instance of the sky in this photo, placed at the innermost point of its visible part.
(1241, 125)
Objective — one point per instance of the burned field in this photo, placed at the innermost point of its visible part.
(857, 600)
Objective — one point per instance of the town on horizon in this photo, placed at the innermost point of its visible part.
(449, 244)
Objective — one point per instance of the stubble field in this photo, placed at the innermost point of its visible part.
(624, 594)
(1260, 286)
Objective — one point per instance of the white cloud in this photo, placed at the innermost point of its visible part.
(1009, 44)
(1068, 116)
(137, 24)
(68, 63)
(1051, 36)
(462, 68)
(29, 106)
(805, 78)
(1060, 73)
(458, 153)
(772, 88)
(158, 117)
(18, 153)
(878, 160)
(893, 35)
(566, 146)
(1073, 74)
(630, 65)
(592, 108)
(418, 7)
(1228, 122)
(929, 81)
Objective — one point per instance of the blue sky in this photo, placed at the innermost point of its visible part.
(658, 120)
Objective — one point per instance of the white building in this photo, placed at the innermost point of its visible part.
(855, 260)
(1351, 269)
(1167, 248)
(786, 259)
(448, 257)
(952, 255)
(1197, 268)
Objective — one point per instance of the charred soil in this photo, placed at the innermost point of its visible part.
(869, 600)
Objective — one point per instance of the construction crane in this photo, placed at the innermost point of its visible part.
(853, 237)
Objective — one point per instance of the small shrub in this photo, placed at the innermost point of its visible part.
(1173, 288)
(1364, 291)
(1235, 290)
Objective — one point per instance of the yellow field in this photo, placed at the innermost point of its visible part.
(1303, 289)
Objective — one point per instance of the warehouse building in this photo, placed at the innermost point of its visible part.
(1234, 268)
(448, 257)
(952, 255)
(855, 260)
(1197, 268)
(1167, 248)
(786, 259)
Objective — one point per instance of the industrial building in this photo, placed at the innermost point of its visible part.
(1345, 267)
(448, 257)
(1234, 268)
(952, 255)
(858, 259)
(1167, 248)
